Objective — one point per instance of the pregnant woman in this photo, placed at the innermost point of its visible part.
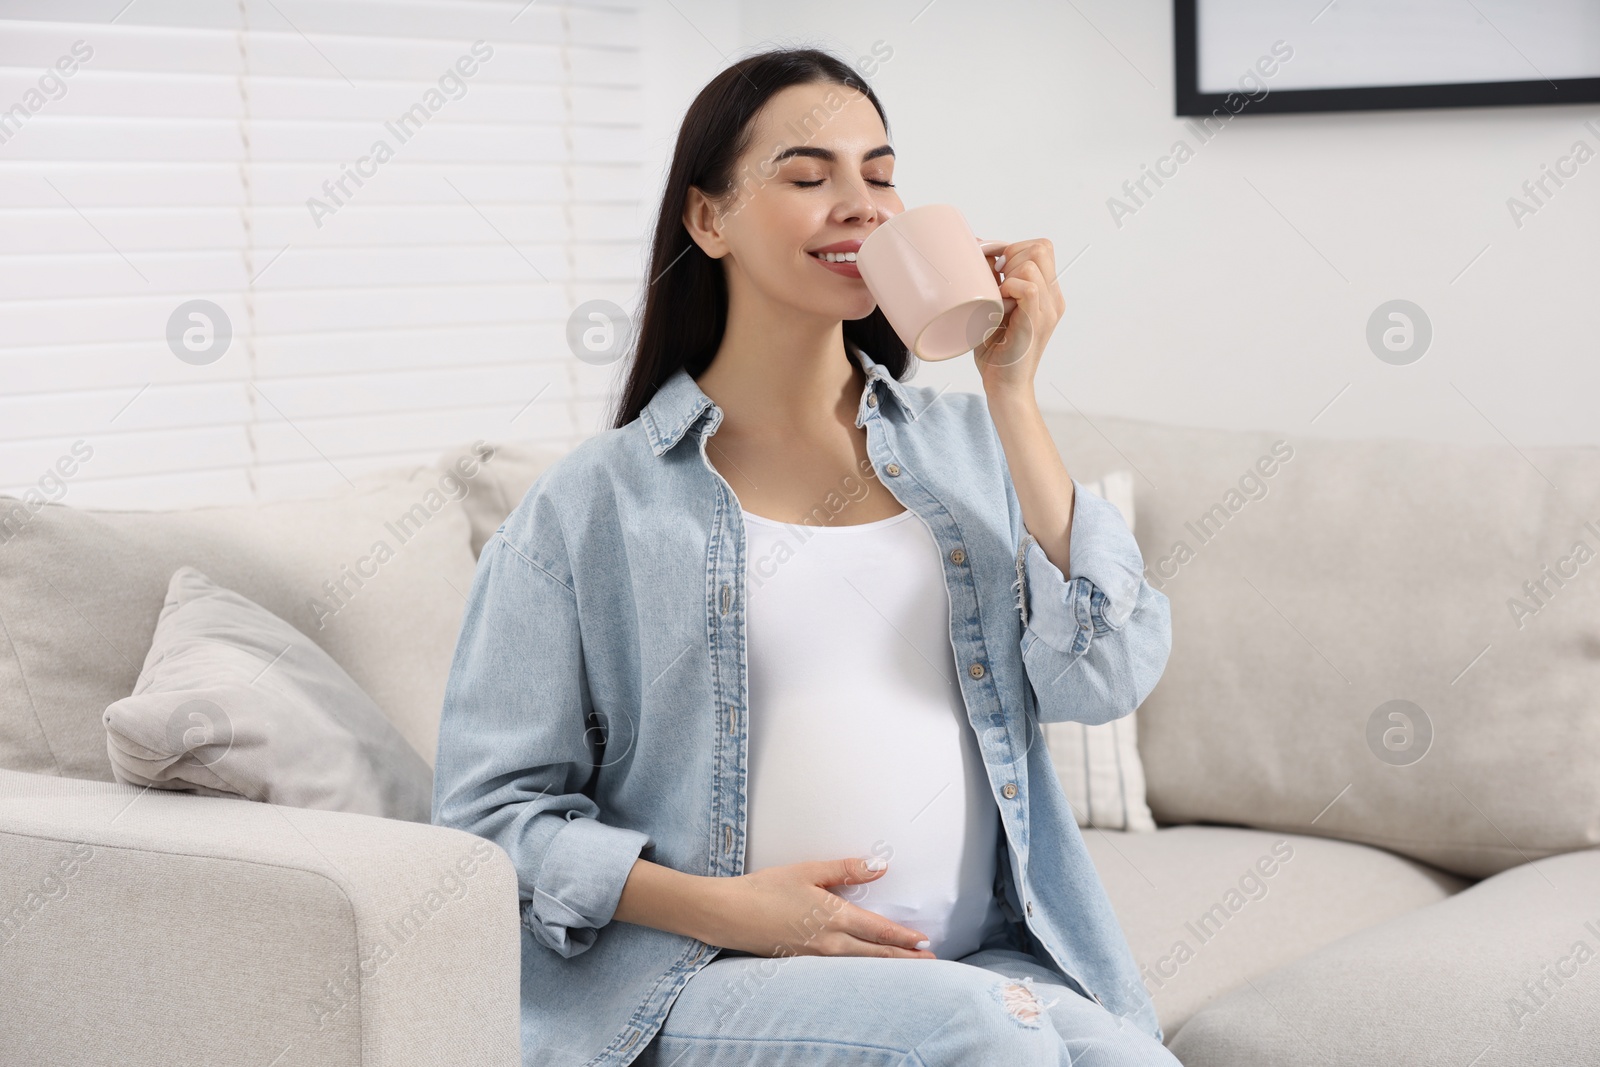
(749, 685)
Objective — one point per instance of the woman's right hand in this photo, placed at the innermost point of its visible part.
(788, 911)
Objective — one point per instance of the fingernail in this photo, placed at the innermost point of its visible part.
(923, 943)
(877, 865)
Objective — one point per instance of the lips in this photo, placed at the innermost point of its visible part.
(852, 245)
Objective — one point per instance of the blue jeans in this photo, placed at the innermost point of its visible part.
(997, 1006)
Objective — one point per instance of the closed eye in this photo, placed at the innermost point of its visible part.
(870, 181)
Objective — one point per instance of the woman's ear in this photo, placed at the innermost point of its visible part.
(703, 219)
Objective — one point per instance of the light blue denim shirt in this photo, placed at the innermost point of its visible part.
(596, 710)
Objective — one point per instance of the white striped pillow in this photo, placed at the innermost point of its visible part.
(1099, 766)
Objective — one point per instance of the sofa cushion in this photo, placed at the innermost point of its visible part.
(1360, 645)
(235, 702)
(377, 576)
(1505, 973)
(1207, 909)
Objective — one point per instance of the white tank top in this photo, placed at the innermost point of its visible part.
(859, 739)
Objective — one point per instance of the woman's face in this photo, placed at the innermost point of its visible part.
(817, 175)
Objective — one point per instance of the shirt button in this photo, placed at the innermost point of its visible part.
(957, 556)
(1009, 789)
(976, 670)
(872, 400)
(893, 469)
(1030, 907)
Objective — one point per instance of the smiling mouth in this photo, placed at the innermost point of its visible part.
(841, 263)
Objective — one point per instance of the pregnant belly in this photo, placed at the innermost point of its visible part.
(927, 810)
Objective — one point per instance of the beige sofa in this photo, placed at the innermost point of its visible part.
(1317, 892)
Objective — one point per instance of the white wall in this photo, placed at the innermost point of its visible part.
(1238, 295)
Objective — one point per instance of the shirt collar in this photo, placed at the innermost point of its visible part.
(680, 402)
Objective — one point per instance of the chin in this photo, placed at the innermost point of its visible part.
(828, 299)
(854, 309)
(839, 310)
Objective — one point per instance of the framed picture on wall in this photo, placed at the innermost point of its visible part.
(1262, 56)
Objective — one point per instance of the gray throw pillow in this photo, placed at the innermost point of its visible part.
(235, 702)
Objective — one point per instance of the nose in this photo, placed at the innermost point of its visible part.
(859, 206)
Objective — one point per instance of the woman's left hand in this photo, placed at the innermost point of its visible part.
(1009, 357)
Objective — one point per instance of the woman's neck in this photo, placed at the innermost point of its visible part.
(779, 378)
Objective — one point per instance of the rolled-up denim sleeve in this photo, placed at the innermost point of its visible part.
(516, 750)
(1095, 644)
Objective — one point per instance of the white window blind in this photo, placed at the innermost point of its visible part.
(384, 303)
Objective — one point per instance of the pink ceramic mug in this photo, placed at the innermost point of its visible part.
(930, 276)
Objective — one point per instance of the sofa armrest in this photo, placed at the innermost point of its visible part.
(145, 928)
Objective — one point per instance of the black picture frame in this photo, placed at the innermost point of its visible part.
(1191, 101)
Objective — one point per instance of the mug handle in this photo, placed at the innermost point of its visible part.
(994, 248)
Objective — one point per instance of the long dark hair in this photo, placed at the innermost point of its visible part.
(686, 293)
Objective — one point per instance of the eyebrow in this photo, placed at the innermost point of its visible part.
(827, 153)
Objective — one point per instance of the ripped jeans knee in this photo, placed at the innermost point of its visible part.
(1020, 1001)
